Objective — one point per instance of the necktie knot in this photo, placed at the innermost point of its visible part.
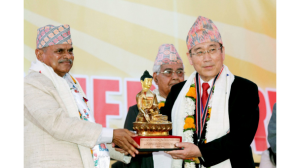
(205, 86)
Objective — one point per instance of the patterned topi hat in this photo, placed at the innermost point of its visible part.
(51, 35)
(167, 54)
(203, 30)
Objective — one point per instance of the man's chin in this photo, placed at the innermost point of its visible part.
(170, 86)
(65, 69)
(173, 84)
(64, 72)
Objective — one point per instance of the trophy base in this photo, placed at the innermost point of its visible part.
(157, 150)
(157, 143)
(152, 128)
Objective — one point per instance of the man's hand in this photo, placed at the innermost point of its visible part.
(190, 151)
(122, 138)
(119, 149)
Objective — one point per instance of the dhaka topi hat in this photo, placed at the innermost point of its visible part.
(51, 35)
(167, 54)
(203, 30)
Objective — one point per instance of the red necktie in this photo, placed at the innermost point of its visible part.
(205, 86)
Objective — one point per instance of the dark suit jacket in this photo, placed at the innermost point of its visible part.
(243, 118)
(272, 130)
(139, 161)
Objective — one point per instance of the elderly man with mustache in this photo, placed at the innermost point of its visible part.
(59, 130)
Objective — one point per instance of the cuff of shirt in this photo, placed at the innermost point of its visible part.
(106, 136)
(126, 159)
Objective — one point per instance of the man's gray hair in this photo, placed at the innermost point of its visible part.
(156, 68)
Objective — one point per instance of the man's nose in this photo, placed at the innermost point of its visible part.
(207, 56)
(175, 76)
(68, 55)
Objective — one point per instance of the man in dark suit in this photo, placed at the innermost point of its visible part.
(168, 70)
(215, 111)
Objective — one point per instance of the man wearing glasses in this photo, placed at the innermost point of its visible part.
(214, 111)
(168, 70)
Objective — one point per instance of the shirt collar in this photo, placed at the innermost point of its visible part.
(159, 98)
(210, 82)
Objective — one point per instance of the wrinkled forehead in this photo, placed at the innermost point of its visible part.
(62, 46)
(173, 67)
(59, 46)
(205, 45)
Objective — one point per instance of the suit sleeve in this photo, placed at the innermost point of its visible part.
(43, 109)
(170, 100)
(131, 117)
(244, 117)
(272, 130)
(167, 109)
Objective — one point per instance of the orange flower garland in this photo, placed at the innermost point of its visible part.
(190, 123)
(161, 104)
(208, 113)
(191, 92)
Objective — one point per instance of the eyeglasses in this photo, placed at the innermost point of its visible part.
(210, 51)
(169, 73)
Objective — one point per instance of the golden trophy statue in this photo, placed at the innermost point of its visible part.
(151, 126)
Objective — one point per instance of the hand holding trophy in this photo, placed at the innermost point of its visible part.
(123, 139)
(152, 128)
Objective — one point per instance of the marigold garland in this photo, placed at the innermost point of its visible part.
(192, 92)
(161, 104)
(207, 119)
(189, 159)
(190, 124)
(208, 113)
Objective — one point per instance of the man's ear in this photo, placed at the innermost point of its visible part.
(189, 58)
(223, 53)
(39, 54)
(155, 77)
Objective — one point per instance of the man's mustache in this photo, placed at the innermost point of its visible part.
(173, 82)
(65, 60)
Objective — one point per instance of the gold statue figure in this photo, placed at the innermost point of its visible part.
(149, 121)
(146, 102)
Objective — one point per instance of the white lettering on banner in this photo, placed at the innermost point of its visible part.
(106, 108)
